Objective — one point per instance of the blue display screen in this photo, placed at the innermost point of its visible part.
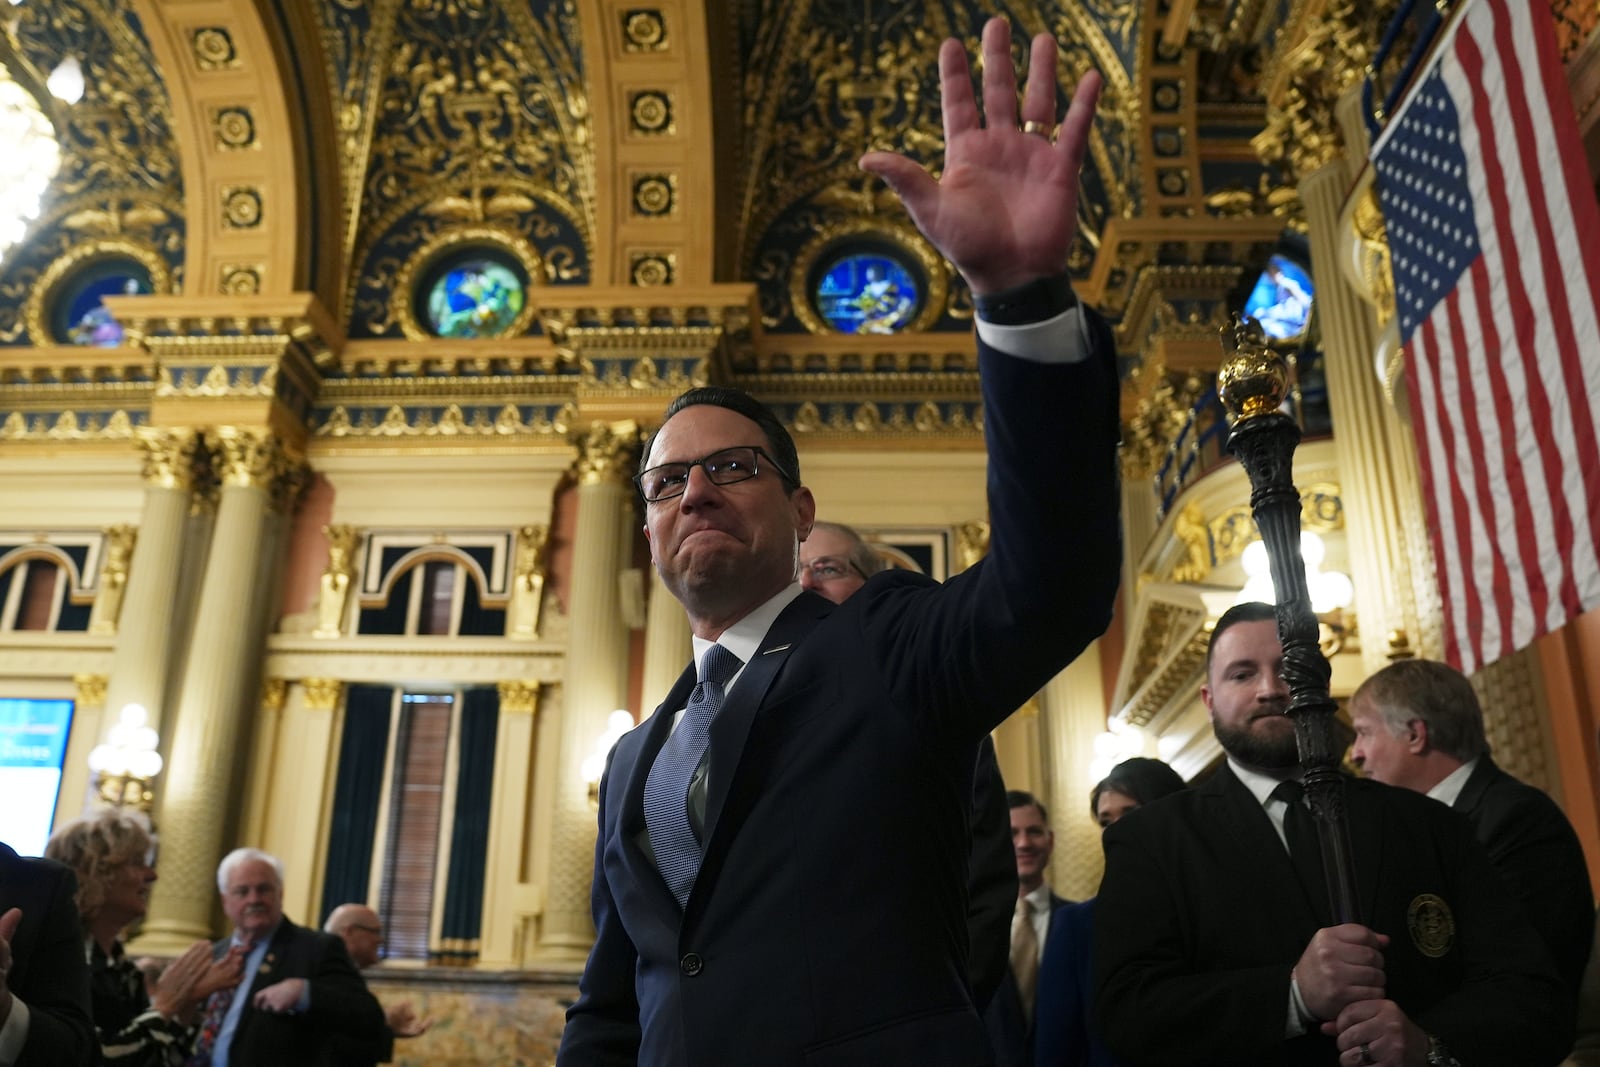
(33, 747)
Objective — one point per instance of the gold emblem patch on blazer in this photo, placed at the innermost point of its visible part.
(1433, 925)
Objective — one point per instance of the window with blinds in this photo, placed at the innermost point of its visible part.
(416, 812)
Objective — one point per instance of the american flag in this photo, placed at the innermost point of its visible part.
(1494, 238)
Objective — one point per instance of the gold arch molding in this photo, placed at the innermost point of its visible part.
(224, 71)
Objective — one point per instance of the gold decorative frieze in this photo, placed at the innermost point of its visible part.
(213, 48)
(508, 421)
(644, 30)
(520, 697)
(241, 207)
(607, 453)
(646, 269)
(234, 128)
(115, 425)
(322, 694)
(650, 112)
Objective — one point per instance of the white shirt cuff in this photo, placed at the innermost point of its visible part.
(1061, 339)
(14, 1034)
(1300, 1017)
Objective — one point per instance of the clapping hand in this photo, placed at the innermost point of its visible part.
(404, 1022)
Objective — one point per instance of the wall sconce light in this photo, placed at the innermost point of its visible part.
(1121, 740)
(594, 765)
(128, 762)
(1330, 590)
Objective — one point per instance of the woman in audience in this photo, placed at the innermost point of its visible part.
(113, 853)
(1063, 1033)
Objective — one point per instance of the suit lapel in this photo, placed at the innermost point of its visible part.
(1235, 807)
(630, 826)
(731, 727)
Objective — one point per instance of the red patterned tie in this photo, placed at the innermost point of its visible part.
(216, 1011)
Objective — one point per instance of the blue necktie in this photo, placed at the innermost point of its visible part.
(666, 789)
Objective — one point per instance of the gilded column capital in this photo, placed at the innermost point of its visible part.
(258, 459)
(607, 452)
(322, 694)
(91, 689)
(520, 697)
(172, 459)
(274, 692)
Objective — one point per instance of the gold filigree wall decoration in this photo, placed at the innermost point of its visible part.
(333, 592)
(972, 542)
(213, 48)
(655, 195)
(1576, 21)
(650, 112)
(172, 458)
(1158, 420)
(465, 103)
(113, 425)
(527, 588)
(1372, 270)
(648, 269)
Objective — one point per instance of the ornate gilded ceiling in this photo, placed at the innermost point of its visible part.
(674, 169)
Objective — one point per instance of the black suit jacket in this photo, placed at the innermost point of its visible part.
(48, 972)
(992, 880)
(340, 1006)
(1533, 846)
(1200, 918)
(1011, 1030)
(828, 924)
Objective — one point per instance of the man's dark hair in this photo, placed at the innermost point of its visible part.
(1021, 798)
(1249, 611)
(1140, 779)
(779, 444)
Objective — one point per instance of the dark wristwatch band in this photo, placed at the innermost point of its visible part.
(1035, 301)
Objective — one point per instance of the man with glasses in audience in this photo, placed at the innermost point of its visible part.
(834, 563)
(781, 867)
(359, 927)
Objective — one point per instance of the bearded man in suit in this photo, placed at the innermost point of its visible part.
(1214, 939)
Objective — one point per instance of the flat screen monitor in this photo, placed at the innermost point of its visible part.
(33, 747)
(1281, 299)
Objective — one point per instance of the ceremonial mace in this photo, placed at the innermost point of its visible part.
(1252, 383)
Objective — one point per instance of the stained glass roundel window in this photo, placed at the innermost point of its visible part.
(867, 291)
(79, 317)
(474, 293)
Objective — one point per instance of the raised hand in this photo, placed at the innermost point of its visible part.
(1005, 210)
(174, 991)
(223, 972)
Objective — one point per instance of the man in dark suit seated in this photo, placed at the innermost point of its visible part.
(835, 562)
(300, 992)
(1010, 1018)
(45, 1019)
(1419, 726)
(1215, 945)
(781, 866)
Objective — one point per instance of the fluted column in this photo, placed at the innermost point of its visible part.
(142, 661)
(596, 681)
(668, 645)
(509, 898)
(218, 694)
(1074, 713)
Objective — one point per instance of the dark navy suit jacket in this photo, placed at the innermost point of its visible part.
(828, 923)
(48, 971)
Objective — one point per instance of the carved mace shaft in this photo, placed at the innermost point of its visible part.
(1253, 382)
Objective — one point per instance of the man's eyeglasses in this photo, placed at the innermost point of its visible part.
(730, 465)
(831, 569)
